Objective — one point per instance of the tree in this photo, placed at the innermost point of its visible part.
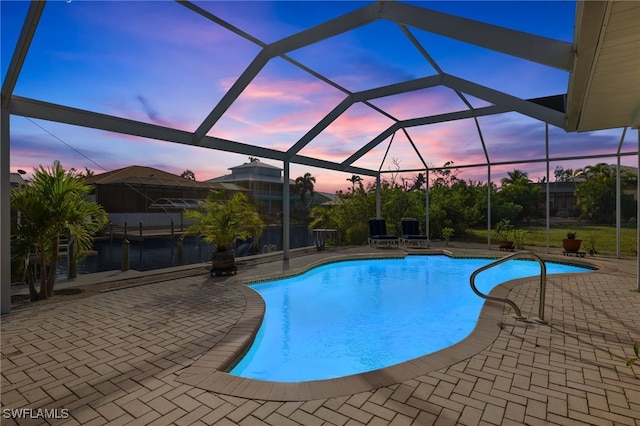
(447, 175)
(188, 174)
(457, 204)
(517, 188)
(304, 187)
(398, 203)
(354, 179)
(52, 204)
(516, 178)
(558, 172)
(418, 182)
(221, 222)
(596, 193)
(87, 172)
(351, 213)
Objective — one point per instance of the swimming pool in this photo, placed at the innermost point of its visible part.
(356, 316)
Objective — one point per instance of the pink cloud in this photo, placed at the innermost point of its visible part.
(421, 103)
(277, 112)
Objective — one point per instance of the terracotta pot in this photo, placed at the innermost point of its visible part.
(506, 244)
(571, 246)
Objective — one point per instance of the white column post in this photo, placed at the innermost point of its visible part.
(5, 213)
(638, 214)
(548, 198)
(489, 206)
(426, 187)
(378, 198)
(286, 207)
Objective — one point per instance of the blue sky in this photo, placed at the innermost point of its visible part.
(158, 62)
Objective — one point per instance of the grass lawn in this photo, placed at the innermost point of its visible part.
(603, 237)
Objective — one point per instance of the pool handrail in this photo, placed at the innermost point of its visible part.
(543, 283)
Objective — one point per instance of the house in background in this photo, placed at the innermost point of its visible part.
(562, 198)
(563, 202)
(264, 182)
(151, 196)
(324, 198)
(16, 180)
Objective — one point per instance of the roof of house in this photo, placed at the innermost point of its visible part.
(148, 176)
(255, 164)
(325, 197)
(15, 179)
(250, 172)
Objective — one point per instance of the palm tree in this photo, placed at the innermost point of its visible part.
(28, 237)
(52, 204)
(516, 178)
(87, 172)
(221, 222)
(517, 188)
(304, 188)
(354, 179)
(596, 191)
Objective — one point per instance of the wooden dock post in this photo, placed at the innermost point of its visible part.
(125, 254)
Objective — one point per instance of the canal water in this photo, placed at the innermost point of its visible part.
(162, 252)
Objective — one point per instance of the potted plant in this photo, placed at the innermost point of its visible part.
(504, 233)
(571, 244)
(222, 222)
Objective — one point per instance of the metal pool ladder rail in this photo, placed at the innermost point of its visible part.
(542, 290)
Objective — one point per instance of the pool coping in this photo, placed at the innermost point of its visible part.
(209, 371)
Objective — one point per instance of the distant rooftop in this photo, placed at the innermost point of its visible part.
(142, 175)
(254, 171)
(254, 165)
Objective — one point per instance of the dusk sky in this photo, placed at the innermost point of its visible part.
(160, 63)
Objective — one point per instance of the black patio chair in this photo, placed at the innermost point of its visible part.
(378, 236)
(411, 234)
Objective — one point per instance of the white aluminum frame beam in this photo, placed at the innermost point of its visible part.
(304, 38)
(440, 118)
(20, 52)
(542, 50)
(13, 72)
(62, 114)
(379, 92)
(531, 109)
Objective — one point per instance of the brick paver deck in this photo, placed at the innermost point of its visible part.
(148, 354)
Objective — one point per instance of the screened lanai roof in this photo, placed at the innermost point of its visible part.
(345, 87)
(340, 86)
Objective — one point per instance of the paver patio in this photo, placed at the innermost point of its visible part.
(123, 357)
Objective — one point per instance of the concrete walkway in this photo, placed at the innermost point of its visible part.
(133, 356)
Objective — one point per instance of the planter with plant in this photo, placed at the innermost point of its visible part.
(504, 233)
(222, 222)
(571, 244)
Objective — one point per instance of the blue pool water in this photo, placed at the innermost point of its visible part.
(356, 316)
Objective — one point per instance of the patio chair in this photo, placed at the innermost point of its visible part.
(411, 234)
(378, 236)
